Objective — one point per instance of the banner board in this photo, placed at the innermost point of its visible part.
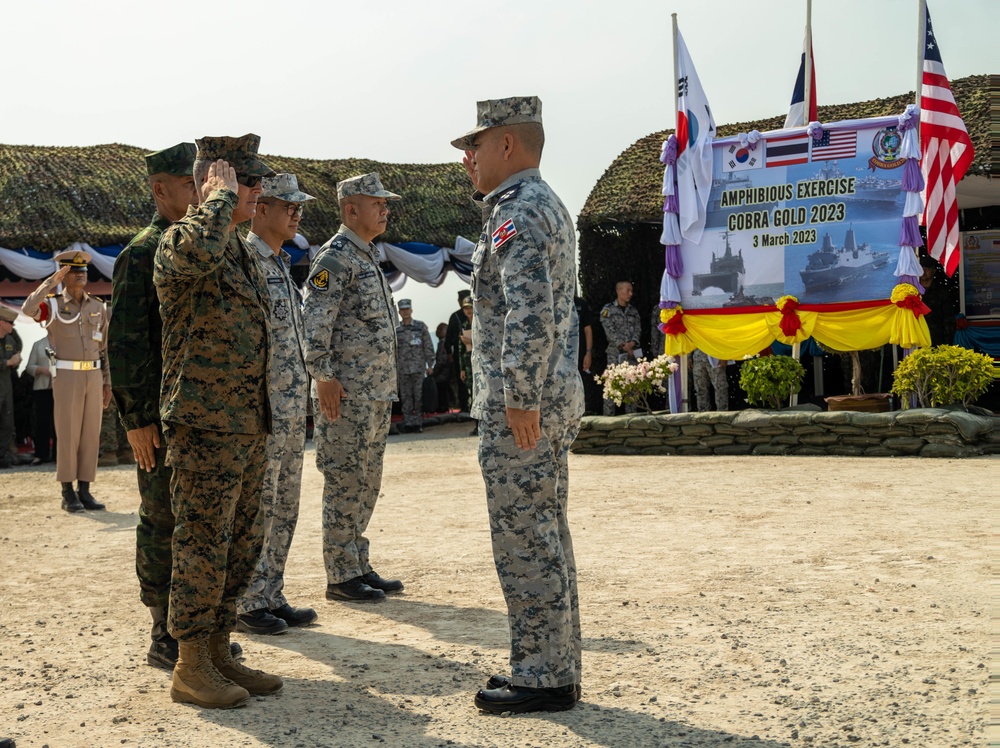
(818, 219)
(980, 268)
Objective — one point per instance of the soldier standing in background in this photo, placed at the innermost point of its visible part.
(135, 332)
(76, 323)
(414, 361)
(350, 338)
(10, 359)
(45, 425)
(216, 416)
(263, 609)
(453, 344)
(623, 327)
(529, 400)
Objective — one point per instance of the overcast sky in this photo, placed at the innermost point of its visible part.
(395, 81)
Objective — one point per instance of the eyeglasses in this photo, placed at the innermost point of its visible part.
(294, 209)
(247, 181)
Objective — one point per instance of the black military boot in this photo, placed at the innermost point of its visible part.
(163, 651)
(88, 501)
(70, 501)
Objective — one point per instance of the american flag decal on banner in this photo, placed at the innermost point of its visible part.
(833, 145)
(946, 151)
(788, 150)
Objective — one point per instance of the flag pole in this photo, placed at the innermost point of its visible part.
(921, 40)
(673, 18)
(682, 406)
(807, 89)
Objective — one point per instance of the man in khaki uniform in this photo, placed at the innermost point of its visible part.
(77, 325)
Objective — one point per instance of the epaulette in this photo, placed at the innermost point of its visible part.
(509, 194)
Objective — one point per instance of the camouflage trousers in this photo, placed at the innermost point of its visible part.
(411, 397)
(349, 453)
(704, 373)
(527, 493)
(280, 506)
(215, 494)
(610, 408)
(113, 436)
(154, 533)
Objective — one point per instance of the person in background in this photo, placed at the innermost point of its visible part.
(623, 327)
(465, 354)
(446, 386)
(10, 359)
(45, 425)
(456, 323)
(710, 369)
(414, 361)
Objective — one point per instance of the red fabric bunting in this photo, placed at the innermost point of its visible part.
(915, 304)
(790, 322)
(675, 325)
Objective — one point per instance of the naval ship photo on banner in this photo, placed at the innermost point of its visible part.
(817, 218)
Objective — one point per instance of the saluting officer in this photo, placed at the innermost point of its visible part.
(77, 325)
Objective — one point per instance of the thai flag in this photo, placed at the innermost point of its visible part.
(788, 150)
(503, 233)
(797, 114)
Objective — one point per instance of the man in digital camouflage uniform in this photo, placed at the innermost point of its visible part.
(263, 609)
(135, 332)
(215, 413)
(528, 399)
(623, 327)
(414, 360)
(350, 326)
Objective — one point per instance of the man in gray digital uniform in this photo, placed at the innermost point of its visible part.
(264, 609)
(528, 399)
(350, 335)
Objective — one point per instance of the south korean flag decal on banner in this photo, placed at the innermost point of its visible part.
(737, 158)
(504, 233)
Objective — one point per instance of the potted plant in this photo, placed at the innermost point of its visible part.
(944, 375)
(769, 381)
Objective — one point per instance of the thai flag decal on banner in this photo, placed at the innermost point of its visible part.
(738, 158)
(835, 145)
(503, 233)
(788, 150)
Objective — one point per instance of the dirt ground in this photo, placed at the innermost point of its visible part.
(725, 601)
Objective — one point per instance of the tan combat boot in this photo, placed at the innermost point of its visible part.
(197, 681)
(256, 682)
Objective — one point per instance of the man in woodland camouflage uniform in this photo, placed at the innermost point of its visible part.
(215, 412)
(528, 399)
(135, 332)
(264, 608)
(350, 325)
(414, 360)
(622, 326)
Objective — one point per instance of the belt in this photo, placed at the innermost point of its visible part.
(79, 365)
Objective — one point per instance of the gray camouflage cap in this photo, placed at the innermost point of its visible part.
(405, 304)
(516, 110)
(240, 153)
(177, 160)
(365, 184)
(284, 187)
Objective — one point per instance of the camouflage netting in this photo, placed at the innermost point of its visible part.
(53, 196)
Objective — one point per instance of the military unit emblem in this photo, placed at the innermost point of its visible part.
(320, 281)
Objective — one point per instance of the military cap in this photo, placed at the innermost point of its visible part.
(284, 187)
(516, 110)
(7, 315)
(74, 258)
(467, 301)
(240, 153)
(365, 184)
(405, 304)
(177, 160)
(464, 293)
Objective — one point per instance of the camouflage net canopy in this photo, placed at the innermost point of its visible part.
(51, 197)
(619, 227)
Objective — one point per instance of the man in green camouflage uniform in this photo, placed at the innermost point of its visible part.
(350, 333)
(10, 359)
(528, 399)
(263, 609)
(215, 413)
(414, 361)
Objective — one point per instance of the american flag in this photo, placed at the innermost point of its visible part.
(946, 155)
(842, 144)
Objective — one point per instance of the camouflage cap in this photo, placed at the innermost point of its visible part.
(177, 160)
(365, 184)
(74, 258)
(516, 110)
(284, 187)
(240, 153)
(405, 304)
(7, 314)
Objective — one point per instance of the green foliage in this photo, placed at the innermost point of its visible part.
(770, 380)
(943, 375)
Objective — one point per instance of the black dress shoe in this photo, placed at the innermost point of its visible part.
(260, 622)
(521, 699)
(372, 579)
(88, 501)
(294, 616)
(354, 589)
(499, 681)
(70, 501)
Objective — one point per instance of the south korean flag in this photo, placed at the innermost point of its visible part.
(737, 158)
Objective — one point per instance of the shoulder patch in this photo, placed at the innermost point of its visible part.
(321, 280)
(510, 194)
(505, 232)
(605, 312)
(332, 261)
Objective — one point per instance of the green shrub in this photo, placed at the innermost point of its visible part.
(943, 375)
(770, 380)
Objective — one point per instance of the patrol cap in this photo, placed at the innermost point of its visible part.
(7, 315)
(467, 301)
(284, 187)
(177, 160)
(464, 293)
(405, 304)
(74, 258)
(516, 110)
(365, 184)
(240, 153)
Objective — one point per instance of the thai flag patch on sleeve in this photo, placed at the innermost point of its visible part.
(505, 232)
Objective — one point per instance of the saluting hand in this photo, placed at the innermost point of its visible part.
(469, 162)
(57, 277)
(221, 176)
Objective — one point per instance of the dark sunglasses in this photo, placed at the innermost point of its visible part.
(247, 181)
